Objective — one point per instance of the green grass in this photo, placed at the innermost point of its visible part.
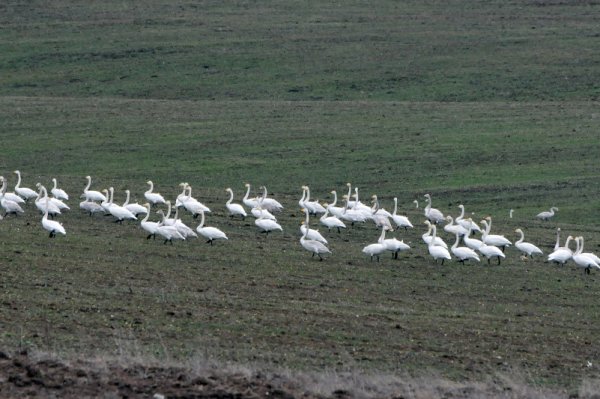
(470, 104)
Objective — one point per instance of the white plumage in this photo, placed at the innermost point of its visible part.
(210, 233)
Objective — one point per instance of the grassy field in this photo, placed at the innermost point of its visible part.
(492, 105)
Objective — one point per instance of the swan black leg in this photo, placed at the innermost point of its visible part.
(498, 260)
(320, 258)
(489, 261)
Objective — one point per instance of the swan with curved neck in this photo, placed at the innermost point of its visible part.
(428, 238)
(7, 204)
(374, 250)
(547, 215)
(562, 254)
(331, 221)
(24, 192)
(526, 247)
(336, 211)
(463, 253)
(135, 208)
(210, 233)
(57, 192)
(437, 251)
(581, 260)
(249, 202)
(434, 215)
(400, 220)
(493, 239)
(150, 227)
(10, 196)
(92, 195)
(316, 247)
(152, 197)
(234, 209)
(470, 226)
(118, 211)
(51, 226)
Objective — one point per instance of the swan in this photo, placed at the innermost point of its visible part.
(331, 221)
(454, 228)
(352, 215)
(416, 204)
(135, 208)
(311, 234)
(92, 195)
(546, 215)
(428, 238)
(106, 203)
(181, 227)
(562, 254)
(153, 198)
(249, 202)
(394, 245)
(380, 219)
(10, 196)
(401, 221)
(41, 203)
(467, 225)
(433, 214)
(315, 246)
(377, 248)
(192, 205)
(472, 243)
(376, 208)
(24, 192)
(234, 209)
(180, 198)
(335, 210)
(463, 253)
(584, 261)
(588, 254)
(270, 204)
(510, 213)
(557, 245)
(488, 250)
(210, 233)
(360, 207)
(150, 227)
(260, 213)
(9, 205)
(57, 192)
(527, 248)
(51, 226)
(267, 225)
(313, 206)
(118, 211)
(493, 239)
(437, 251)
(169, 233)
(91, 207)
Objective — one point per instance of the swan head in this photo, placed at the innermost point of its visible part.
(518, 231)
(427, 196)
(17, 172)
(88, 177)
(333, 192)
(127, 192)
(348, 185)
(488, 218)
(228, 189)
(554, 208)
(246, 184)
(38, 184)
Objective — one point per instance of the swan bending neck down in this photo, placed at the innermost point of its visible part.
(314, 246)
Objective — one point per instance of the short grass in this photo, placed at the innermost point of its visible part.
(492, 105)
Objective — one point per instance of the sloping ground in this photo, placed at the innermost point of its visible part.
(24, 375)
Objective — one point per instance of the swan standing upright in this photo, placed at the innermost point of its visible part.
(234, 209)
(150, 227)
(24, 192)
(134, 208)
(584, 261)
(336, 211)
(401, 221)
(437, 251)
(394, 246)
(8, 205)
(249, 202)
(488, 250)
(51, 226)
(92, 195)
(118, 211)
(152, 197)
(378, 248)
(314, 246)
(10, 196)
(561, 255)
(526, 247)
(434, 215)
(57, 192)
(210, 233)
(493, 239)
(331, 221)
(463, 253)
(547, 215)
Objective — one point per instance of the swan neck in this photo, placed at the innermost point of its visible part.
(89, 183)
(395, 206)
(201, 219)
(230, 197)
(18, 180)
(306, 224)
(456, 242)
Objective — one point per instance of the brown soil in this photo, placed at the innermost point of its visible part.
(24, 376)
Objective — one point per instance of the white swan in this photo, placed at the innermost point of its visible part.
(510, 213)
(331, 221)
(10, 196)
(352, 215)
(92, 195)
(394, 246)
(378, 248)
(584, 261)
(118, 211)
(210, 233)
(401, 221)
(380, 218)
(546, 215)
(463, 253)
(488, 250)
(314, 246)
(51, 226)
(428, 238)
(313, 206)
(270, 204)
(468, 225)
(267, 225)
(437, 251)
(561, 255)
(152, 197)
(9, 205)
(24, 192)
(249, 202)
(557, 245)
(234, 209)
(57, 192)
(42, 205)
(377, 209)
(333, 209)
(311, 234)
(453, 229)
(493, 239)
(169, 233)
(260, 213)
(472, 243)
(526, 247)
(91, 207)
(588, 254)
(434, 215)
(150, 227)
(192, 205)
(134, 208)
